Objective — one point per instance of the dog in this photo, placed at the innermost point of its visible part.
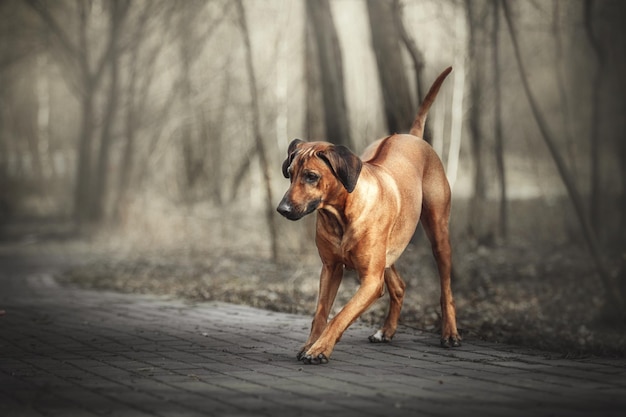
(367, 211)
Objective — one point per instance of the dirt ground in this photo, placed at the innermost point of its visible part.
(515, 293)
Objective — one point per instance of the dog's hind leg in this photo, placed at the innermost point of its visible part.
(395, 287)
(435, 218)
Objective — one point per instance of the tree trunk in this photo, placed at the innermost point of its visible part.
(399, 108)
(314, 118)
(503, 219)
(135, 101)
(561, 76)
(477, 225)
(595, 140)
(128, 154)
(83, 173)
(141, 69)
(416, 57)
(79, 56)
(331, 70)
(611, 289)
(99, 198)
(458, 94)
(258, 138)
(44, 133)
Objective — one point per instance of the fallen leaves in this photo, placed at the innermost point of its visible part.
(544, 299)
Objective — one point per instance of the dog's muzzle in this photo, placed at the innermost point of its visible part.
(289, 211)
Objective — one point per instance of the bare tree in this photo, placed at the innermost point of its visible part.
(194, 146)
(458, 94)
(314, 117)
(331, 71)
(256, 130)
(476, 19)
(399, 108)
(561, 77)
(416, 57)
(503, 218)
(135, 101)
(612, 290)
(594, 137)
(85, 81)
(118, 9)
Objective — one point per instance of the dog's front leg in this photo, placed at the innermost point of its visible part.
(372, 287)
(330, 279)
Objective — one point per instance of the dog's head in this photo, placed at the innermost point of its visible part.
(319, 173)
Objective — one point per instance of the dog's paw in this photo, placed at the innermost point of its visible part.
(311, 360)
(450, 342)
(379, 337)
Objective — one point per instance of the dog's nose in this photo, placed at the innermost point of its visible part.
(285, 209)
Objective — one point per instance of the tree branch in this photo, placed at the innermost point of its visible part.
(611, 289)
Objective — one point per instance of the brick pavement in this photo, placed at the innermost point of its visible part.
(71, 352)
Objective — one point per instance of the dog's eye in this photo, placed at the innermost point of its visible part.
(311, 177)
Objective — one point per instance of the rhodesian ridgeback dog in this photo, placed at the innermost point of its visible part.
(367, 212)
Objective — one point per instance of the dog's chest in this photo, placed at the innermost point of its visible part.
(329, 237)
(335, 242)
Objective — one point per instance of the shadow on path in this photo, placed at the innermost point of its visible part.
(71, 352)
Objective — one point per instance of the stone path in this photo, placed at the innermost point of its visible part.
(71, 352)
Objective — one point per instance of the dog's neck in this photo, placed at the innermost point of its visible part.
(332, 213)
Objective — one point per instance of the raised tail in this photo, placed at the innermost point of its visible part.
(417, 129)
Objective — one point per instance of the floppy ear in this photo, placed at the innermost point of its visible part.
(345, 165)
(291, 153)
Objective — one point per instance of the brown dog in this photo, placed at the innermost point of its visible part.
(368, 209)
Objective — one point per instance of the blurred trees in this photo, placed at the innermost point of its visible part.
(141, 59)
(399, 107)
(478, 46)
(590, 235)
(258, 135)
(498, 134)
(86, 59)
(327, 57)
(112, 108)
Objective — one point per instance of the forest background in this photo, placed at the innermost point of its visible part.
(148, 136)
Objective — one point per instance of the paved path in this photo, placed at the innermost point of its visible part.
(70, 352)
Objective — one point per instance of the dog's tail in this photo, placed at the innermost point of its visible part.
(420, 120)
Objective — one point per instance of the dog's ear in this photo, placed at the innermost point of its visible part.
(345, 165)
(291, 153)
